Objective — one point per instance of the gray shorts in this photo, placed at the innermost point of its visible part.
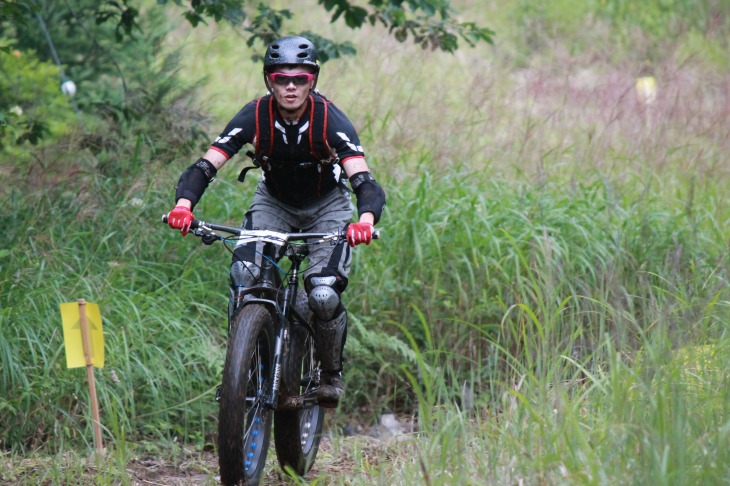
(330, 213)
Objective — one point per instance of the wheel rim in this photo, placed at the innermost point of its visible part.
(308, 416)
(256, 412)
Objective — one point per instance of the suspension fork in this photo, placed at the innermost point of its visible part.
(266, 279)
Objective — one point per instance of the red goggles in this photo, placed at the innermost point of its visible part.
(283, 79)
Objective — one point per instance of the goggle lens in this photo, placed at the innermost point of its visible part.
(283, 79)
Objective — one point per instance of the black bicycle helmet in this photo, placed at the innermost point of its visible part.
(291, 50)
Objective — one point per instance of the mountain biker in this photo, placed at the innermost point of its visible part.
(305, 146)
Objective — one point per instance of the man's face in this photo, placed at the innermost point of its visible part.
(291, 86)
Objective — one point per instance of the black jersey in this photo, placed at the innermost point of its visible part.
(292, 175)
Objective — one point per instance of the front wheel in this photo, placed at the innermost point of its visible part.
(244, 422)
(297, 432)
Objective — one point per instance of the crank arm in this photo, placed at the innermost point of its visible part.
(298, 402)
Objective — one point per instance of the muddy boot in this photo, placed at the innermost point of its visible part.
(330, 389)
(329, 341)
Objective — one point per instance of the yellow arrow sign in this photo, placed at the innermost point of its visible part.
(73, 339)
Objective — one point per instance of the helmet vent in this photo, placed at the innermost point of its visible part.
(290, 50)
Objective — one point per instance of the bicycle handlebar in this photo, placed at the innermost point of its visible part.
(274, 237)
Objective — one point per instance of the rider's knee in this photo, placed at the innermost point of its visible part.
(244, 271)
(244, 274)
(324, 295)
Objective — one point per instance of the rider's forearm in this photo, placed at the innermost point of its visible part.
(184, 202)
(196, 178)
(367, 218)
(370, 196)
(194, 181)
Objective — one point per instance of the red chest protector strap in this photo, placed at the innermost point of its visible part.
(264, 142)
(317, 128)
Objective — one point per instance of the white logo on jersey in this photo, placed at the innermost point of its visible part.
(228, 137)
(282, 130)
(302, 129)
(356, 148)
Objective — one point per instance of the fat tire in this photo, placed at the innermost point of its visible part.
(244, 422)
(297, 433)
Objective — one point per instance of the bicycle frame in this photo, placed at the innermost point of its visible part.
(267, 293)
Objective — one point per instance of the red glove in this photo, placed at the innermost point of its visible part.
(180, 218)
(359, 233)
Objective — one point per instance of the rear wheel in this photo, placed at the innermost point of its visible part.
(297, 432)
(244, 423)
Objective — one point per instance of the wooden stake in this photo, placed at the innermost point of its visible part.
(90, 376)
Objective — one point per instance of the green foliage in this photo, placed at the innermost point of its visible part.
(644, 30)
(128, 91)
(218, 10)
(549, 300)
(16, 10)
(711, 48)
(353, 15)
(556, 19)
(662, 21)
(265, 27)
(665, 18)
(374, 357)
(429, 22)
(84, 48)
(106, 57)
(494, 262)
(158, 113)
(326, 49)
(127, 18)
(84, 253)
(32, 105)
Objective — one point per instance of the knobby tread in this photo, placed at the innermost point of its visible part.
(250, 324)
(296, 447)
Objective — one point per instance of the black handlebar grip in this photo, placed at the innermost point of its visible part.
(193, 224)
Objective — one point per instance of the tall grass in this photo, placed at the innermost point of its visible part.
(617, 426)
(549, 300)
(154, 335)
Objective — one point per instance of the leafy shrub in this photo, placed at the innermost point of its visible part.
(31, 103)
(127, 91)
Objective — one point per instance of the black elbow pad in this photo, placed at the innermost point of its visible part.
(370, 196)
(195, 180)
